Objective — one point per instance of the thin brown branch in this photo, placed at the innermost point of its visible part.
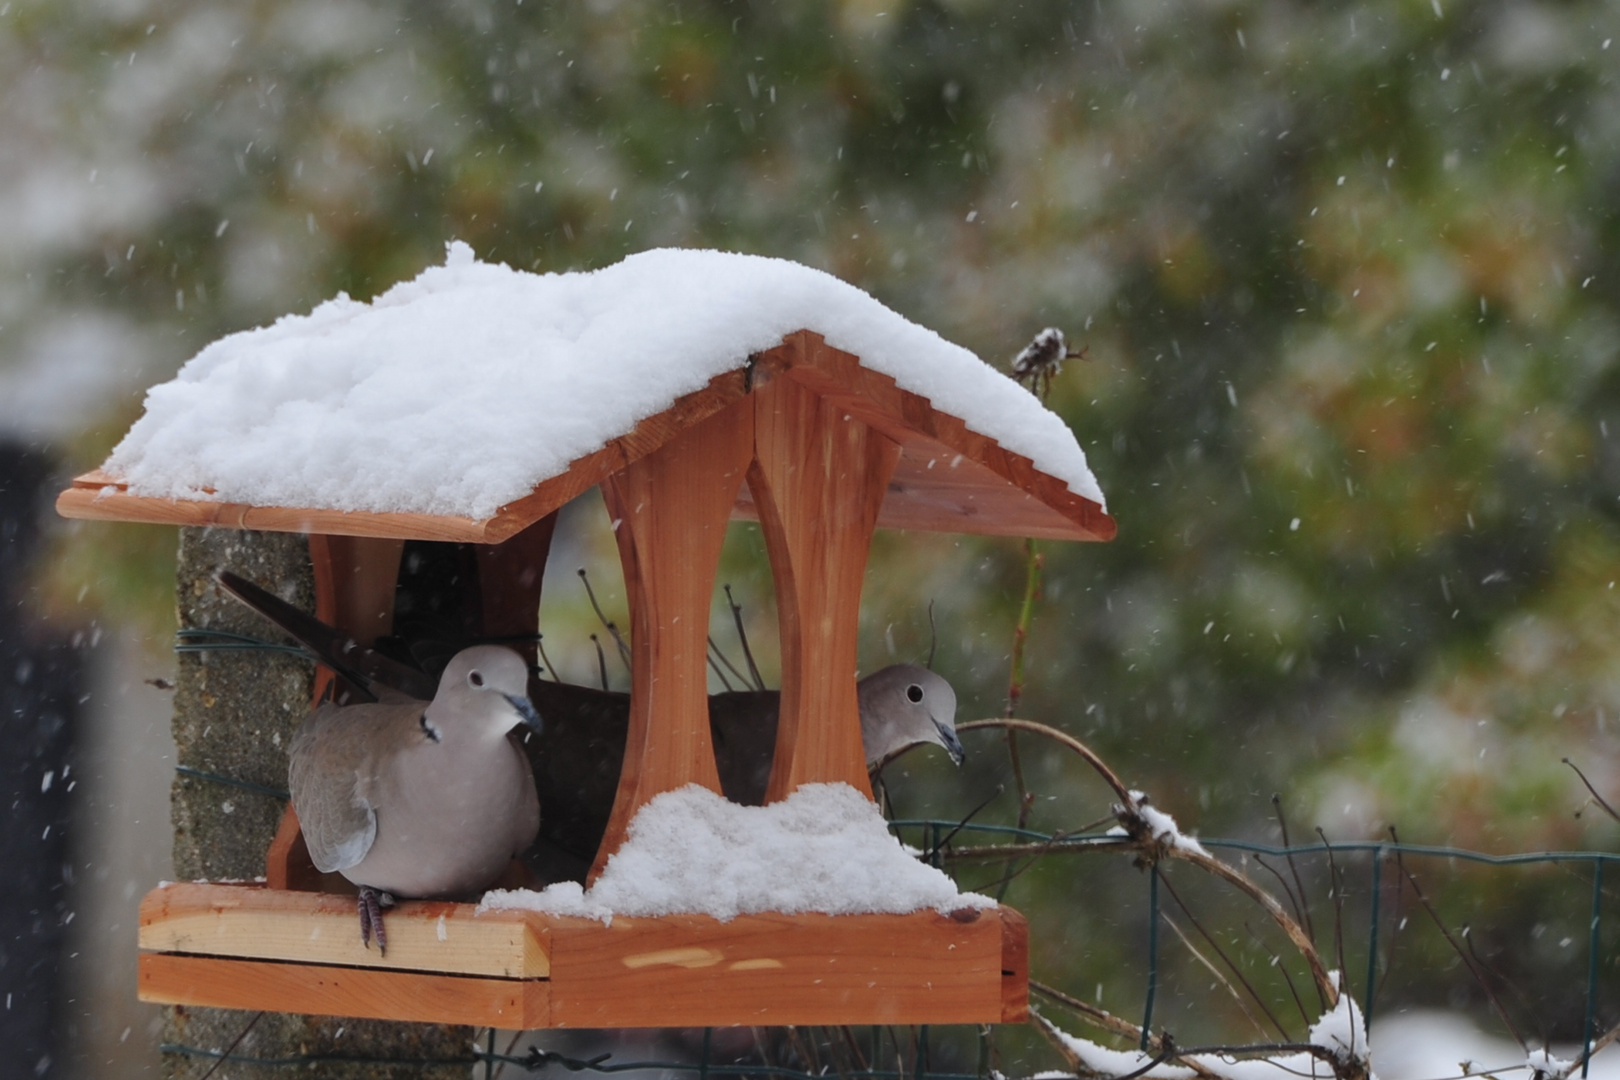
(1063, 737)
(1164, 879)
(1288, 890)
(1288, 978)
(1293, 867)
(1152, 848)
(742, 636)
(1600, 800)
(1336, 884)
(1220, 977)
(1462, 954)
(612, 628)
(726, 660)
(1092, 1014)
(1295, 933)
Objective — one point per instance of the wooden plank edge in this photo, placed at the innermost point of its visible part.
(329, 990)
(250, 921)
(1014, 967)
(97, 504)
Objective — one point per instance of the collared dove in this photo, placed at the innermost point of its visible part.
(420, 799)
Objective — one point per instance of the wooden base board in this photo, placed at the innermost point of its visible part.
(226, 983)
(287, 952)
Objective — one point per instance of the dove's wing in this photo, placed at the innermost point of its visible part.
(333, 774)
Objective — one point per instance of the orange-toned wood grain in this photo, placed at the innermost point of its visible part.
(355, 579)
(255, 923)
(926, 432)
(670, 508)
(690, 970)
(1014, 967)
(818, 478)
(247, 947)
(287, 864)
(342, 991)
(92, 502)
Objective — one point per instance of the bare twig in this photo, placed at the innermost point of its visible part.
(960, 825)
(1219, 976)
(601, 660)
(540, 643)
(1598, 798)
(612, 629)
(1288, 890)
(742, 636)
(1336, 881)
(1288, 978)
(1090, 756)
(1293, 867)
(231, 1049)
(1092, 1014)
(1295, 933)
(1162, 1046)
(714, 667)
(1164, 879)
(1479, 976)
(1152, 848)
(726, 660)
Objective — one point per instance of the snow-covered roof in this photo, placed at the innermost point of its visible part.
(456, 393)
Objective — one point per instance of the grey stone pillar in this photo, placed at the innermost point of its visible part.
(234, 714)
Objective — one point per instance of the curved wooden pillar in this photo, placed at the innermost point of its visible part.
(818, 478)
(670, 510)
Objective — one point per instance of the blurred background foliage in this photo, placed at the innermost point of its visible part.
(1346, 274)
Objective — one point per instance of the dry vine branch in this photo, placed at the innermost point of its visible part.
(1139, 835)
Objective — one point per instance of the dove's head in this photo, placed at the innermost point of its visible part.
(484, 691)
(907, 704)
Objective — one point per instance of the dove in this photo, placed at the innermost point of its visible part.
(420, 799)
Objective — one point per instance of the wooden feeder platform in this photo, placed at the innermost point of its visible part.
(821, 451)
(251, 947)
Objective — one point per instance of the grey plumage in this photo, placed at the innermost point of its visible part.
(904, 705)
(901, 705)
(421, 799)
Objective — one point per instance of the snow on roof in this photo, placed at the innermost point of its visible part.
(825, 848)
(459, 391)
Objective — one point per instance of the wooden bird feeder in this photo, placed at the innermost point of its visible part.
(821, 450)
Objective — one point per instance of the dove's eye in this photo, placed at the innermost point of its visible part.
(914, 693)
(476, 679)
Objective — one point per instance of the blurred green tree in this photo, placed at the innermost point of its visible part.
(1345, 271)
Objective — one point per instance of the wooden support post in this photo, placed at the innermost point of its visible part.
(819, 478)
(670, 510)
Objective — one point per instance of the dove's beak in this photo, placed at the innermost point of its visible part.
(952, 745)
(525, 709)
